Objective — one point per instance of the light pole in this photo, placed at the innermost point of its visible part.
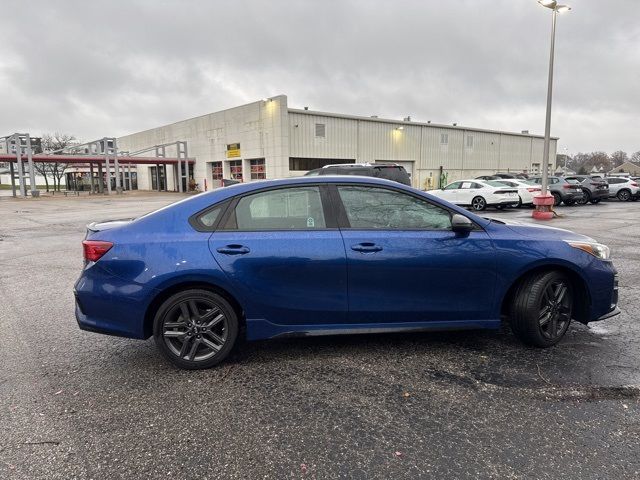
(544, 201)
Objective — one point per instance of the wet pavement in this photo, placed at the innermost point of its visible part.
(460, 404)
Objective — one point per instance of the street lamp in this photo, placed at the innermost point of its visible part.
(544, 201)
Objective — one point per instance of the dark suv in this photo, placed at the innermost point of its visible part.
(593, 189)
(563, 190)
(390, 171)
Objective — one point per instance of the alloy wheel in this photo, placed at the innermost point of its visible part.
(478, 203)
(195, 329)
(555, 310)
(624, 196)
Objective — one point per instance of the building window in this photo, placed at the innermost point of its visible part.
(216, 170)
(235, 167)
(303, 164)
(469, 141)
(257, 169)
(444, 139)
(320, 130)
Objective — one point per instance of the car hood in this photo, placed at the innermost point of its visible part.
(541, 232)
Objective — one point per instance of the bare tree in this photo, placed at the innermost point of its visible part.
(619, 157)
(635, 158)
(52, 143)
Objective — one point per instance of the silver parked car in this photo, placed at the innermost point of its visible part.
(623, 188)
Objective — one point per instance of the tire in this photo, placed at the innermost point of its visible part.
(586, 197)
(557, 199)
(568, 203)
(478, 204)
(624, 195)
(519, 202)
(537, 317)
(595, 201)
(205, 339)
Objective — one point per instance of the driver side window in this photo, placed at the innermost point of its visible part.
(379, 208)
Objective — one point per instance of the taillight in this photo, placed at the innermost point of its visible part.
(95, 249)
(634, 184)
(534, 189)
(569, 185)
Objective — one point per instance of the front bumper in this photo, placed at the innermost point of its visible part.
(615, 311)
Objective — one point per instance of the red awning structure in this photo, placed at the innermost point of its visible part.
(40, 158)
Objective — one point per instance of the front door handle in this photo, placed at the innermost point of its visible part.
(366, 247)
(233, 250)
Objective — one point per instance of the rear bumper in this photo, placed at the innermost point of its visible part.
(599, 194)
(107, 304)
(571, 195)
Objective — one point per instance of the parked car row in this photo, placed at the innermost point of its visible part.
(502, 190)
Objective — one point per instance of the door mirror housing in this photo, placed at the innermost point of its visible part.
(461, 224)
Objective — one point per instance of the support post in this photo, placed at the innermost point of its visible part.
(100, 179)
(91, 177)
(32, 171)
(13, 179)
(105, 147)
(158, 177)
(21, 185)
(129, 173)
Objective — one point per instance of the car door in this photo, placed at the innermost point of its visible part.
(284, 254)
(404, 262)
(450, 192)
(467, 191)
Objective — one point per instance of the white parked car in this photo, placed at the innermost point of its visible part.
(526, 189)
(479, 194)
(624, 189)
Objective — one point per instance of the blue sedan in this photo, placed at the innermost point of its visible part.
(331, 255)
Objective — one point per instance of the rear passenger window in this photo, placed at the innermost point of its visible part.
(296, 208)
(379, 208)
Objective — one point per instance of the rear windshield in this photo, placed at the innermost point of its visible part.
(497, 183)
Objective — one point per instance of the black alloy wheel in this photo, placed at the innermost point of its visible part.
(586, 197)
(541, 310)
(195, 329)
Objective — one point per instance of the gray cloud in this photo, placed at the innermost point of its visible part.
(109, 68)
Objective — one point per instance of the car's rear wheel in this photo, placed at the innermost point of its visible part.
(541, 309)
(478, 204)
(586, 197)
(557, 199)
(624, 195)
(195, 329)
(569, 202)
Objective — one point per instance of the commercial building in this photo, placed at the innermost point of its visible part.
(267, 139)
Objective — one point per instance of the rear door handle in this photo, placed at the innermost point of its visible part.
(366, 247)
(233, 250)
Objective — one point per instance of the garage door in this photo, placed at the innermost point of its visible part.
(408, 166)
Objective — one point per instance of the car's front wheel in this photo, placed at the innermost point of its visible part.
(478, 204)
(195, 329)
(557, 199)
(541, 309)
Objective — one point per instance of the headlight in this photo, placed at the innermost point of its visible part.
(596, 249)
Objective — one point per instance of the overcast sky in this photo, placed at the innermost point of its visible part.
(108, 68)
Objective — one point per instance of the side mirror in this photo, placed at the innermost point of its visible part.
(461, 224)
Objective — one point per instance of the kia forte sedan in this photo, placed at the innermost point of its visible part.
(331, 255)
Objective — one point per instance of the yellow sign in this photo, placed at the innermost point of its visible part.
(233, 150)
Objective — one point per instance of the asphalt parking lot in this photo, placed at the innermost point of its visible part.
(461, 404)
